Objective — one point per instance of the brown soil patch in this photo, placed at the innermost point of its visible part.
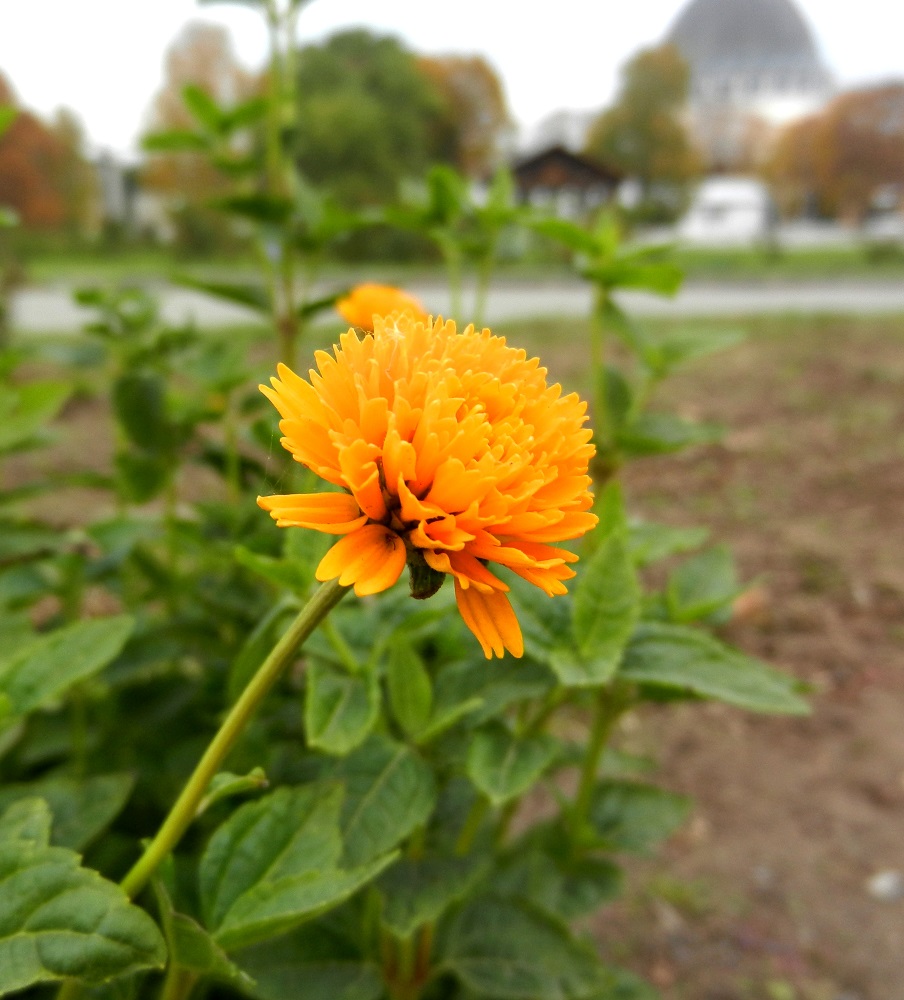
(764, 894)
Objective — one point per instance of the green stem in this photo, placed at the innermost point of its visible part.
(610, 704)
(598, 368)
(186, 806)
(472, 825)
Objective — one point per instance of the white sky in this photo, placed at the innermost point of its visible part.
(104, 58)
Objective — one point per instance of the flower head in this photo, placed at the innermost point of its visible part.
(364, 302)
(453, 455)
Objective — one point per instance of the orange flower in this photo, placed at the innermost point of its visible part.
(454, 454)
(365, 302)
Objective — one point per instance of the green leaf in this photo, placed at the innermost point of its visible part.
(203, 108)
(21, 540)
(702, 585)
(629, 816)
(28, 819)
(658, 278)
(410, 688)
(247, 113)
(8, 218)
(82, 808)
(503, 950)
(46, 668)
(258, 644)
(192, 949)
(142, 476)
(606, 609)
(340, 709)
(175, 141)
(226, 785)
(273, 864)
(139, 399)
(569, 234)
(25, 410)
(649, 542)
(565, 887)
(661, 433)
(60, 920)
(504, 766)
(253, 296)
(316, 960)
(466, 688)
(678, 347)
(262, 208)
(390, 792)
(687, 659)
(418, 891)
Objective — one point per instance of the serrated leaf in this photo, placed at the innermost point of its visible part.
(273, 865)
(629, 816)
(47, 667)
(702, 585)
(409, 685)
(418, 891)
(503, 766)
(606, 609)
(81, 808)
(687, 659)
(287, 833)
(505, 950)
(192, 949)
(390, 792)
(328, 966)
(340, 709)
(59, 920)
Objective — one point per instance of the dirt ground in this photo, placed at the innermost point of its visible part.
(771, 890)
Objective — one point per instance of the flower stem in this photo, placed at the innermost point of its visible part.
(610, 704)
(186, 806)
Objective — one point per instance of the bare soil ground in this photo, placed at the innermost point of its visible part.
(766, 892)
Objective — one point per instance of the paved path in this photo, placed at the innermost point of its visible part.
(51, 309)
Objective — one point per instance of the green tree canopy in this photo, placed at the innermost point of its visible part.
(642, 134)
(367, 116)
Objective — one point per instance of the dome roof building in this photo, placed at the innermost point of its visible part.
(754, 65)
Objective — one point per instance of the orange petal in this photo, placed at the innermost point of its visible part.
(333, 513)
(491, 618)
(372, 558)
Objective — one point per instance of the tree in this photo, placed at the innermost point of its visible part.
(202, 57)
(642, 135)
(367, 116)
(840, 158)
(38, 165)
(477, 114)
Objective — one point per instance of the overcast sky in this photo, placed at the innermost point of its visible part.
(104, 58)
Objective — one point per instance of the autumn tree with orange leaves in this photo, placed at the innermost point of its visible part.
(44, 177)
(838, 160)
